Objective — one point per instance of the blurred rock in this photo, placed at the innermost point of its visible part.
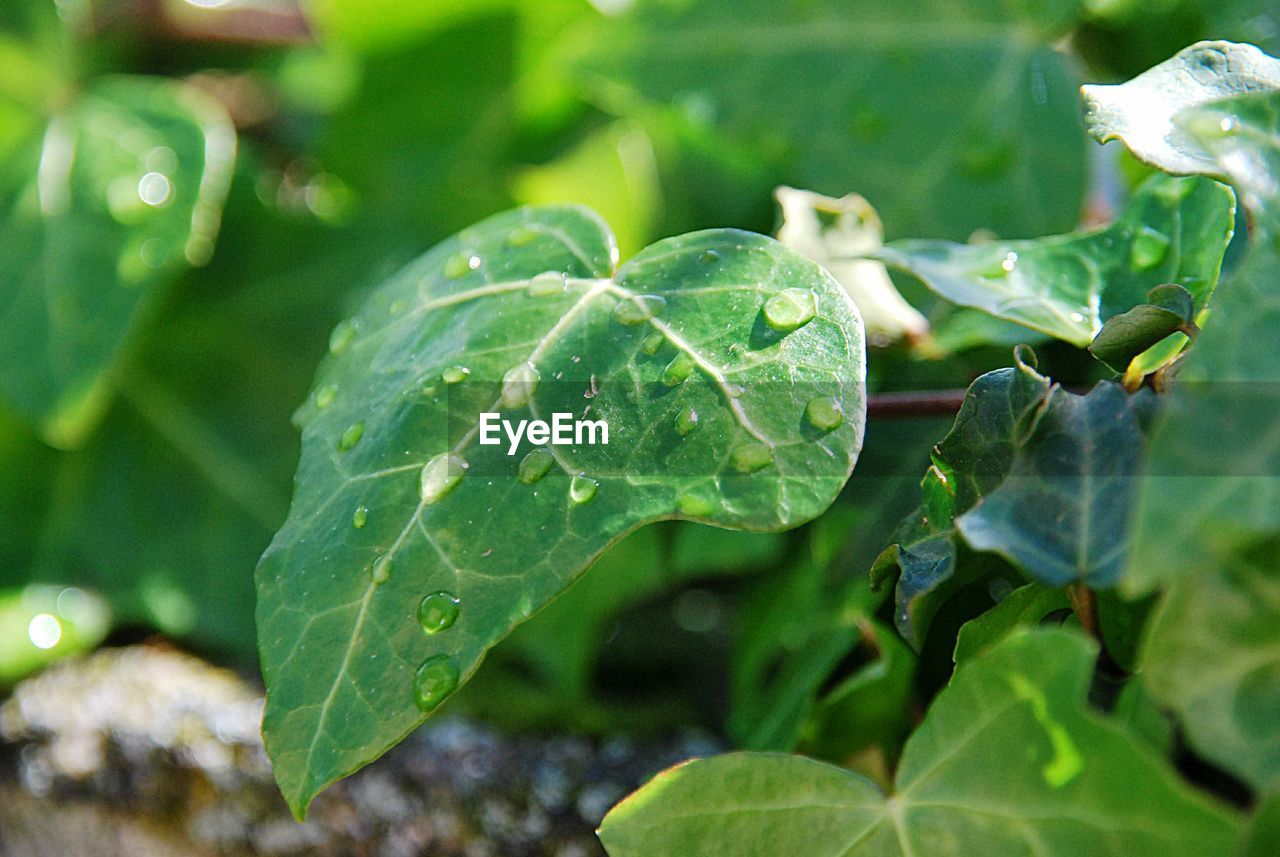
(145, 751)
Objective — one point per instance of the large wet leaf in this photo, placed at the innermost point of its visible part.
(1215, 456)
(1175, 230)
(947, 117)
(729, 370)
(1213, 656)
(1141, 111)
(1062, 513)
(123, 192)
(1009, 760)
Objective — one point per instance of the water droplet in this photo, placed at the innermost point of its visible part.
(438, 611)
(342, 336)
(708, 257)
(1149, 248)
(1077, 317)
(637, 309)
(790, 309)
(325, 396)
(652, 343)
(436, 679)
(518, 384)
(751, 457)
(521, 236)
(824, 413)
(1009, 262)
(548, 283)
(154, 189)
(678, 370)
(694, 505)
(439, 476)
(351, 436)
(360, 517)
(582, 489)
(535, 465)
(1228, 124)
(380, 571)
(686, 421)
(460, 264)
(455, 374)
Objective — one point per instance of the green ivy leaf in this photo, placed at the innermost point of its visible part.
(1175, 230)
(1062, 514)
(1141, 111)
(969, 122)
(1008, 760)
(1212, 655)
(969, 463)
(1169, 308)
(124, 191)
(1024, 607)
(1215, 456)
(706, 354)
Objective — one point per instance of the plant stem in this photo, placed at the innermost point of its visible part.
(1085, 606)
(925, 403)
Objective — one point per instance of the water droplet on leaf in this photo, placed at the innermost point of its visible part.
(325, 396)
(380, 571)
(637, 309)
(707, 257)
(460, 264)
(535, 465)
(521, 236)
(439, 476)
(1149, 248)
(678, 370)
(1009, 262)
(824, 413)
(694, 505)
(582, 489)
(686, 421)
(518, 385)
(435, 680)
(547, 283)
(790, 309)
(751, 457)
(652, 343)
(351, 436)
(359, 517)
(342, 336)
(438, 611)
(455, 374)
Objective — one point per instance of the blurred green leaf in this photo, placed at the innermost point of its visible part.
(948, 118)
(1008, 745)
(123, 193)
(526, 314)
(1174, 230)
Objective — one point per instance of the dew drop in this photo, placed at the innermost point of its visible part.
(325, 396)
(686, 421)
(652, 343)
(637, 309)
(380, 571)
(824, 413)
(535, 465)
(460, 264)
(521, 236)
(455, 374)
(708, 257)
(790, 309)
(1149, 248)
(518, 384)
(751, 457)
(438, 611)
(360, 517)
(342, 336)
(694, 505)
(582, 489)
(351, 436)
(548, 283)
(1009, 262)
(678, 370)
(435, 680)
(439, 476)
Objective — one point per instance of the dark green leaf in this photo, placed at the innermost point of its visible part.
(1175, 230)
(1022, 608)
(1009, 760)
(1169, 309)
(525, 314)
(124, 191)
(948, 118)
